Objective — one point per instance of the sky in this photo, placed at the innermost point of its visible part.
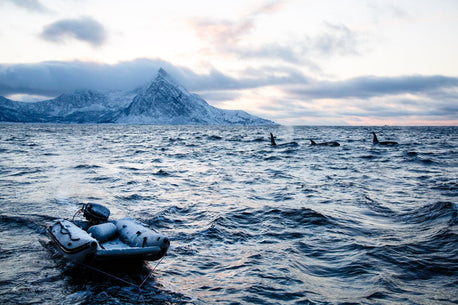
(296, 62)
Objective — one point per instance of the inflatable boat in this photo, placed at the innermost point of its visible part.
(99, 239)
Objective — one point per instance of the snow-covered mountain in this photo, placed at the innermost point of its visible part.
(163, 102)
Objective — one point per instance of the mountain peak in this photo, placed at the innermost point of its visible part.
(162, 72)
(164, 101)
(163, 75)
(165, 82)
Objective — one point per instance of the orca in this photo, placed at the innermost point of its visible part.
(376, 141)
(272, 140)
(273, 143)
(332, 143)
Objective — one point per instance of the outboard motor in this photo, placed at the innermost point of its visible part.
(96, 213)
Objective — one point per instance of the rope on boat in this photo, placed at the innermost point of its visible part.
(78, 212)
(139, 287)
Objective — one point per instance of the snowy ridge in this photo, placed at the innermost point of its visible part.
(162, 102)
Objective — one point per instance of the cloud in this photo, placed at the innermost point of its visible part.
(377, 110)
(227, 36)
(232, 38)
(55, 77)
(415, 99)
(268, 8)
(381, 11)
(221, 33)
(30, 5)
(224, 33)
(251, 78)
(336, 40)
(370, 86)
(84, 29)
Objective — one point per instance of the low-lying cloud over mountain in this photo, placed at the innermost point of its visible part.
(55, 77)
(351, 101)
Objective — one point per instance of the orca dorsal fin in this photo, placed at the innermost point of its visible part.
(272, 140)
(312, 142)
(374, 139)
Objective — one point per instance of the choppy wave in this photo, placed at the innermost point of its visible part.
(249, 223)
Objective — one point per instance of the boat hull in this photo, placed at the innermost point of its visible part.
(144, 254)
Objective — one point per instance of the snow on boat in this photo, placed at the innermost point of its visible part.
(98, 239)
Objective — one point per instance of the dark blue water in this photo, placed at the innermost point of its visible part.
(249, 223)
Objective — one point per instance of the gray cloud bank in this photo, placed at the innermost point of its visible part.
(55, 77)
(84, 29)
(370, 86)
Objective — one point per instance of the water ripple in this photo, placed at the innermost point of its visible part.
(249, 223)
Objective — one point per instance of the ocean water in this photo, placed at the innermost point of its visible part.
(249, 223)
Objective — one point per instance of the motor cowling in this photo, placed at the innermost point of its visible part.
(96, 213)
